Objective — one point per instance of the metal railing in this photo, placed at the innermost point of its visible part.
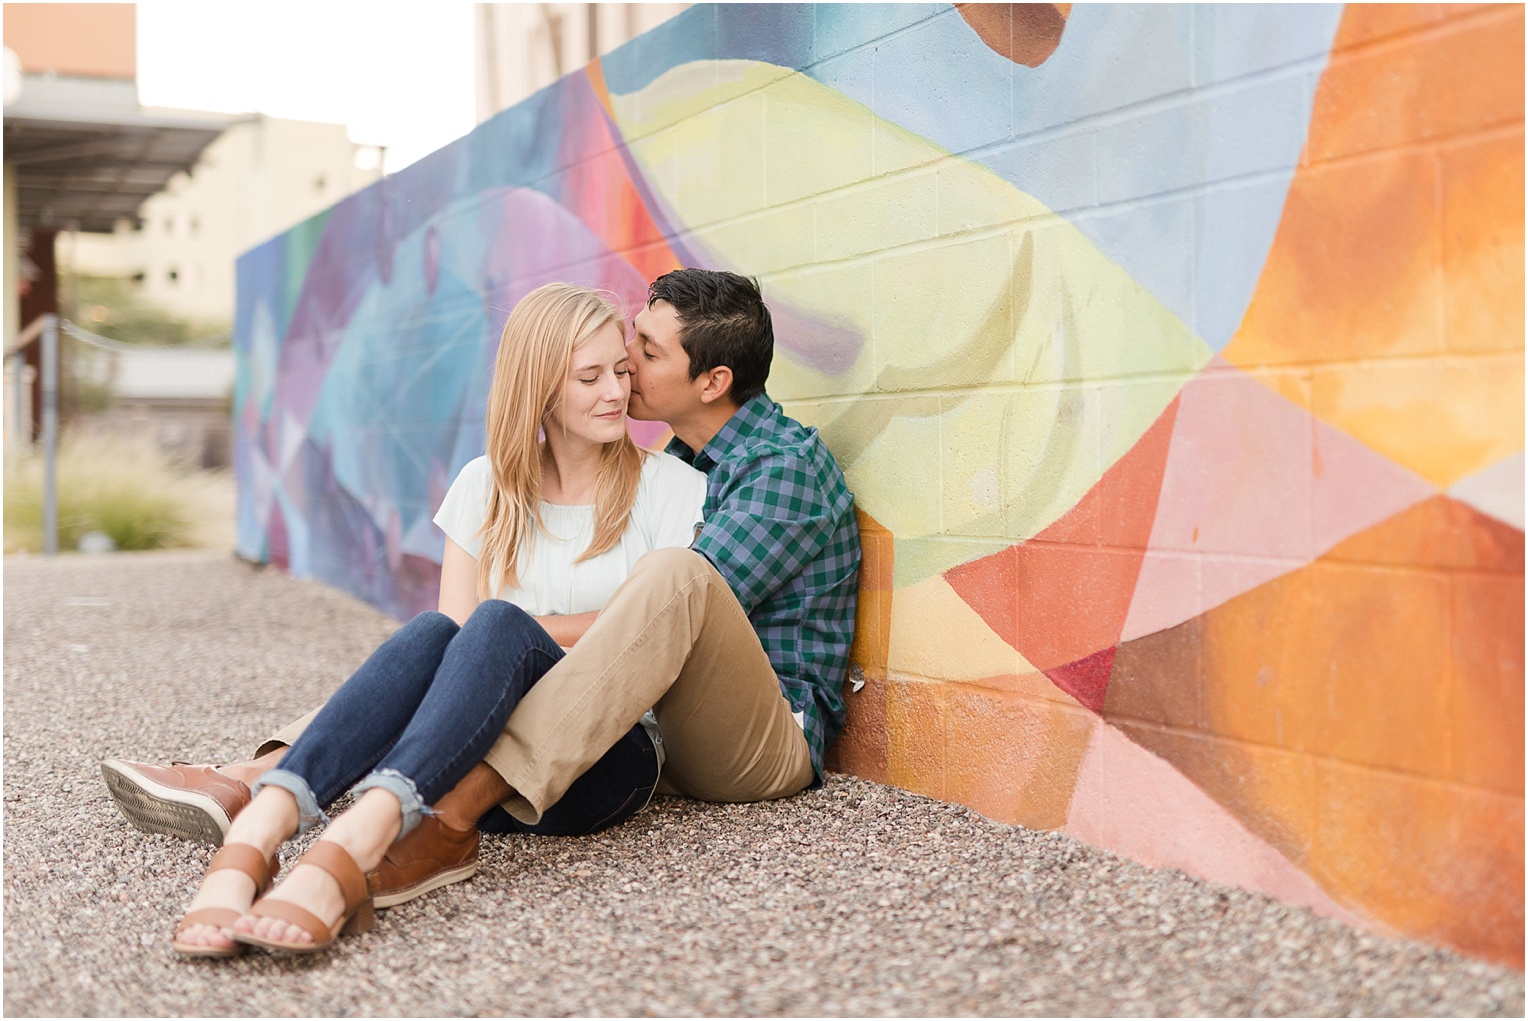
(45, 327)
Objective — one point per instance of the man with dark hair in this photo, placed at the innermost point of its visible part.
(739, 643)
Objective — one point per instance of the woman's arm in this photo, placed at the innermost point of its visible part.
(566, 630)
(458, 598)
(458, 583)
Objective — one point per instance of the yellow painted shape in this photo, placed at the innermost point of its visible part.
(935, 635)
(1442, 418)
(1020, 299)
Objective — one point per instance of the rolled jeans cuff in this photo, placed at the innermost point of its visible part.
(402, 788)
(309, 814)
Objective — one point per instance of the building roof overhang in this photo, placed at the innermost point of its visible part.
(85, 155)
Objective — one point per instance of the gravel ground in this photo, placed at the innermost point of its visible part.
(853, 900)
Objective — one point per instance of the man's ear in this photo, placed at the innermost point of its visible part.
(717, 384)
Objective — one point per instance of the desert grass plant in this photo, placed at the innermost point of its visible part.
(122, 486)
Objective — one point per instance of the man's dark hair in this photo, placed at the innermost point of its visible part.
(722, 321)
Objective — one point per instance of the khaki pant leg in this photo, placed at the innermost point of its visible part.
(672, 638)
(287, 735)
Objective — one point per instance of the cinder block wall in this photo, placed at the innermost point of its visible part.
(1174, 354)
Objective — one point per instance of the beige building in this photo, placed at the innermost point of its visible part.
(260, 178)
(521, 48)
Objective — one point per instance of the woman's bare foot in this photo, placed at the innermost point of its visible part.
(268, 821)
(366, 831)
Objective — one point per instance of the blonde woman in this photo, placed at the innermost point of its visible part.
(545, 526)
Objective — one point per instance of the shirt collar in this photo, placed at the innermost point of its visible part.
(746, 422)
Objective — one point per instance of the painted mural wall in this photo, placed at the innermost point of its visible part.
(1174, 355)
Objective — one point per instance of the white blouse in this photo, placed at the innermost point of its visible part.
(667, 512)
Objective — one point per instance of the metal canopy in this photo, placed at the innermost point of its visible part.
(85, 154)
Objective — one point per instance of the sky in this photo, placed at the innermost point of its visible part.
(396, 73)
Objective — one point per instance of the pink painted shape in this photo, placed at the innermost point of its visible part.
(652, 435)
(1166, 594)
(1356, 487)
(1134, 803)
(1254, 488)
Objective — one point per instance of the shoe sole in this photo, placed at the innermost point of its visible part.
(433, 882)
(155, 808)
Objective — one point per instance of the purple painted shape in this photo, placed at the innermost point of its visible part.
(815, 343)
(431, 260)
(534, 241)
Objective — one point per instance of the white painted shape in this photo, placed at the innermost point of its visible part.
(1496, 490)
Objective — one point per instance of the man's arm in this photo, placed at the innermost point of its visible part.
(767, 527)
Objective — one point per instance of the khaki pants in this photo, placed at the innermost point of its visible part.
(672, 638)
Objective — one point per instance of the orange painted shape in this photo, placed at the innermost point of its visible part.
(1463, 73)
(1439, 532)
(1353, 270)
(861, 747)
(872, 622)
(915, 714)
(1011, 758)
(1024, 33)
(1383, 21)
(1060, 598)
(1433, 860)
(1486, 713)
(1483, 244)
(1338, 660)
(1364, 713)
(1402, 235)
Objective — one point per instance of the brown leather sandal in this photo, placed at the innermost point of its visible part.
(356, 918)
(241, 858)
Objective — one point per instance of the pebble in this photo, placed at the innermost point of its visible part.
(856, 899)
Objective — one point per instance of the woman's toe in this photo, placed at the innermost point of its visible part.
(204, 936)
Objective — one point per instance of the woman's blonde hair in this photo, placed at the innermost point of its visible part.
(529, 382)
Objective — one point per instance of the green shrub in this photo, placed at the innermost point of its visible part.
(124, 487)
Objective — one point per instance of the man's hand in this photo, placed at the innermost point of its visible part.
(567, 630)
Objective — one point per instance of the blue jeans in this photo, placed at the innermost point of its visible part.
(426, 706)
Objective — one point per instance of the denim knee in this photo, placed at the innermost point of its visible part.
(498, 613)
(434, 620)
(401, 787)
(308, 812)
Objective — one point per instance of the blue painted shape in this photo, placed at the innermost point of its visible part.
(1123, 73)
(843, 27)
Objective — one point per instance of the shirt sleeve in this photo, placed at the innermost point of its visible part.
(673, 497)
(465, 507)
(769, 523)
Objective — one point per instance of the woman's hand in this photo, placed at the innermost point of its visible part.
(566, 630)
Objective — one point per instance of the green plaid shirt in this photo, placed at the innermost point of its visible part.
(780, 527)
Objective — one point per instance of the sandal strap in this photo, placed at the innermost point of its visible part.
(248, 860)
(223, 918)
(336, 861)
(290, 913)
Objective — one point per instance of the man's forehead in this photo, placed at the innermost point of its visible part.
(657, 319)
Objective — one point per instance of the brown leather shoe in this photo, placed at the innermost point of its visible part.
(183, 800)
(432, 855)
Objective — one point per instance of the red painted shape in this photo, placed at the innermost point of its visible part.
(1086, 680)
(277, 546)
(599, 190)
(1061, 598)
